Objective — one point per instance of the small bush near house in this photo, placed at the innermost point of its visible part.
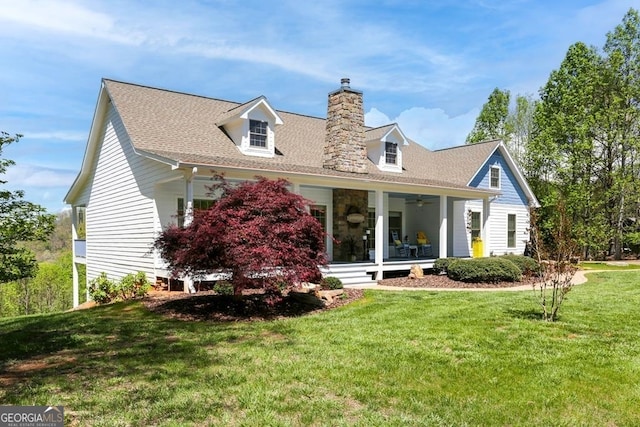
(134, 286)
(331, 283)
(528, 266)
(222, 287)
(104, 290)
(441, 265)
(484, 270)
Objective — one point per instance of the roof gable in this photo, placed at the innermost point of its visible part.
(242, 111)
(517, 184)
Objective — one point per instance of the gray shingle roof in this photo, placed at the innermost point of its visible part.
(182, 128)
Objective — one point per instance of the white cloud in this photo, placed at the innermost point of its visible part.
(67, 18)
(430, 127)
(58, 135)
(27, 175)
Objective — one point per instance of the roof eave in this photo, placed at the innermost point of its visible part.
(92, 143)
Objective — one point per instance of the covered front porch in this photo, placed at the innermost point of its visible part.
(380, 231)
(371, 233)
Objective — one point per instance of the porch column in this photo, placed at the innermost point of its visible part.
(74, 237)
(379, 233)
(486, 228)
(188, 219)
(442, 251)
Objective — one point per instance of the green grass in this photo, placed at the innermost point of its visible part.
(612, 265)
(413, 358)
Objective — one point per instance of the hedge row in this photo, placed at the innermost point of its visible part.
(508, 268)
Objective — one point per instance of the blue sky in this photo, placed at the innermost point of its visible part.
(427, 65)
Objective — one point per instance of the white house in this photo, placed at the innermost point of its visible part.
(151, 154)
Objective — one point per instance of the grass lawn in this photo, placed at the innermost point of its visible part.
(392, 358)
(611, 265)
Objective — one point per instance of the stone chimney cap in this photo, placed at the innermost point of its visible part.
(345, 86)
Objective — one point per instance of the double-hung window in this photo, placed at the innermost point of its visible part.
(257, 133)
(495, 177)
(511, 231)
(390, 153)
(319, 212)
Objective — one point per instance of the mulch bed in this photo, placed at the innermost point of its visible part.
(442, 281)
(209, 306)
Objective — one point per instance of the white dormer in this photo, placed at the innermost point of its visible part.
(384, 147)
(251, 126)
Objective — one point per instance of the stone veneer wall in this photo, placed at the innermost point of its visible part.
(345, 149)
(346, 202)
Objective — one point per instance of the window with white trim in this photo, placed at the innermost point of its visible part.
(390, 153)
(495, 177)
(319, 212)
(511, 231)
(258, 133)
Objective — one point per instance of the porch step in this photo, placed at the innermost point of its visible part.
(350, 274)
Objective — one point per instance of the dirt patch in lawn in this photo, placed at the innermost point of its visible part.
(209, 306)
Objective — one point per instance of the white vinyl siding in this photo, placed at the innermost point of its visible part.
(121, 207)
(497, 226)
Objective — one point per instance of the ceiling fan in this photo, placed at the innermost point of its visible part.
(418, 201)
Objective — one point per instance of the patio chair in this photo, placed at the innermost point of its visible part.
(424, 245)
(402, 249)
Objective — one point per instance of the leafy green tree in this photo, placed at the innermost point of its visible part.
(51, 290)
(563, 151)
(58, 243)
(492, 122)
(19, 221)
(620, 131)
(522, 125)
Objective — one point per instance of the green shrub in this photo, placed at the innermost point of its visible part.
(331, 283)
(131, 286)
(222, 287)
(102, 290)
(441, 265)
(484, 270)
(528, 266)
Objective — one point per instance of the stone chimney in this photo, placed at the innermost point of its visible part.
(344, 148)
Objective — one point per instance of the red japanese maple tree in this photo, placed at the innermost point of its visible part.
(258, 231)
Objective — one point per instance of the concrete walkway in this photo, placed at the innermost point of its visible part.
(578, 279)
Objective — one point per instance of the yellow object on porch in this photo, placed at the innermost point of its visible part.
(478, 248)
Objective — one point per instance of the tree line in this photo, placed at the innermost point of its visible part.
(50, 289)
(578, 143)
(35, 252)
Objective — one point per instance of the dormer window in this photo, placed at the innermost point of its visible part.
(391, 153)
(384, 147)
(258, 133)
(251, 127)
